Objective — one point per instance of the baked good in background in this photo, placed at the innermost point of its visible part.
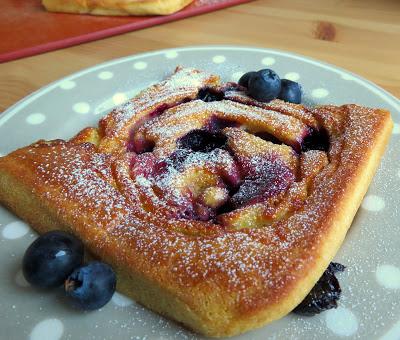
(116, 7)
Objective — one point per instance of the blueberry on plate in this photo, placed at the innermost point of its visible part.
(324, 295)
(264, 86)
(92, 286)
(244, 79)
(290, 91)
(51, 258)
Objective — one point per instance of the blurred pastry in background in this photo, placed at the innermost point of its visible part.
(116, 7)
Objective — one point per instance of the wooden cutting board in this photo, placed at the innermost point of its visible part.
(27, 29)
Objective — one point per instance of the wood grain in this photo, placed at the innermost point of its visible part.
(362, 36)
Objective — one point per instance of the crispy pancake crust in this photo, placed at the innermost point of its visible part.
(116, 7)
(216, 281)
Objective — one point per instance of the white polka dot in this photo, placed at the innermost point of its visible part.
(171, 54)
(268, 61)
(49, 329)
(20, 279)
(140, 65)
(341, 321)
(67, 84)
(109, 104)
(347, 76)
(388, 276)
(119, 98)
(294, 76)
(121, 300)
(373, 203)
(319, 93)
(15, 230)
(105, 75)
(35, 118)
(236, 76)
(396, 129)
(218, 59)
(81, 107)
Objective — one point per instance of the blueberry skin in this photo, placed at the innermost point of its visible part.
(264, 86)
(51, 258)
(244, 79)
(316, 140)
(209, 95)
(92, 286)
(290, 91)
(202, 141)
(324, 295)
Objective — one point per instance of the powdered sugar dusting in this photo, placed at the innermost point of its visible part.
(255, 266)
(76, 175)
(178, 121)
(183, 84)
(294, 110)
(233, 258)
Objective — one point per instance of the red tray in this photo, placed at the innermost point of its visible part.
(27, 29)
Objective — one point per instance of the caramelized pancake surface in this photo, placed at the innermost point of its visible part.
(221, 215)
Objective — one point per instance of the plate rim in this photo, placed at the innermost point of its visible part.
(376, 89)
(382, 93)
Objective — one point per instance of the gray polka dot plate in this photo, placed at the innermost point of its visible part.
(370, 303)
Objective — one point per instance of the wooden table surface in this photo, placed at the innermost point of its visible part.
(362, 36)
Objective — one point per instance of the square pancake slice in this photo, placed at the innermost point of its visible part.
(220, 215)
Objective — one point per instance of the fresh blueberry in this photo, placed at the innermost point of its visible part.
(92, 286)
(51, 258)
(210, 95)
(290, 91)
(264, 86)
(244, 79)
